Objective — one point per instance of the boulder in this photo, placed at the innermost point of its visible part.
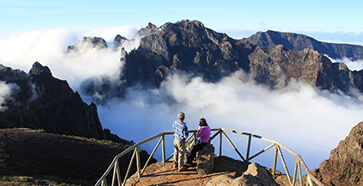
(246, 180)
(255, 175)
(223, 180)
(205, 160)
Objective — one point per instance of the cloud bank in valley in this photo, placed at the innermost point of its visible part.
(295, 116)
(299, 116)
(352, 65)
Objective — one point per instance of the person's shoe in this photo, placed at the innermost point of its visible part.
(182, 169)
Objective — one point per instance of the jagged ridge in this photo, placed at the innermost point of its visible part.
(293, 41)
(188, 46)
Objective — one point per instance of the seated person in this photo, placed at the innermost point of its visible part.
(203, 135)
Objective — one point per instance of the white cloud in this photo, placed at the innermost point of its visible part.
(352, 65)
(5, 92)
(298, 116)
(49, 48)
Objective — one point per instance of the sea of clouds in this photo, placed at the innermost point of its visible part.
(308, 121)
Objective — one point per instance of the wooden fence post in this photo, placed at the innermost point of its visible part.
(248, 147)
(138, 161)
(275, 161)
(220, 142)
(104, 182)
(284, 164)
(163, 147)
(151, 155)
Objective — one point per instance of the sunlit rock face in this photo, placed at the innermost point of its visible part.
(345, 164)
(188, 47)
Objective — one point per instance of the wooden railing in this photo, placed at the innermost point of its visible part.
(292, 179)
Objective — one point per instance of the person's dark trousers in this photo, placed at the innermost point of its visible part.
(194, 151)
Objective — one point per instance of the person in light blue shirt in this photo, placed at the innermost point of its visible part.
(180, 135)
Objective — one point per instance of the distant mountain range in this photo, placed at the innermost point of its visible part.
(293, 41)
(272, 58)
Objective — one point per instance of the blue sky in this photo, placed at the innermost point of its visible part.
(235, 17)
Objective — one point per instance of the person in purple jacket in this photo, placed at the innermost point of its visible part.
(203, 135)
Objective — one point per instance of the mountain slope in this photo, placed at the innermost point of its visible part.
(40, 101)
(65, 159)
(293, 41)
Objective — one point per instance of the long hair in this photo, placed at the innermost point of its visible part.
(203, 122)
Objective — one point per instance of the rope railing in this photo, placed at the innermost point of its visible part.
(117, 177)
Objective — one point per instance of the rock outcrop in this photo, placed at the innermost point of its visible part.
(118, 40)
(254, 175)
(275, 67)
(40, 101)
(205, 160)
(89, 42)
(293, 41)
(345, 164)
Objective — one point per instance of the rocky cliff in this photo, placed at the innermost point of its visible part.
(276, 66)
(185, 46)
(189, 47)
(293, 41)
(345, 164)
(40, 101)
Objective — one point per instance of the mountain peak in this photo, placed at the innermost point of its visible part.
(186, 22)
(184, 25)
(151, 26)
(39, 69)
